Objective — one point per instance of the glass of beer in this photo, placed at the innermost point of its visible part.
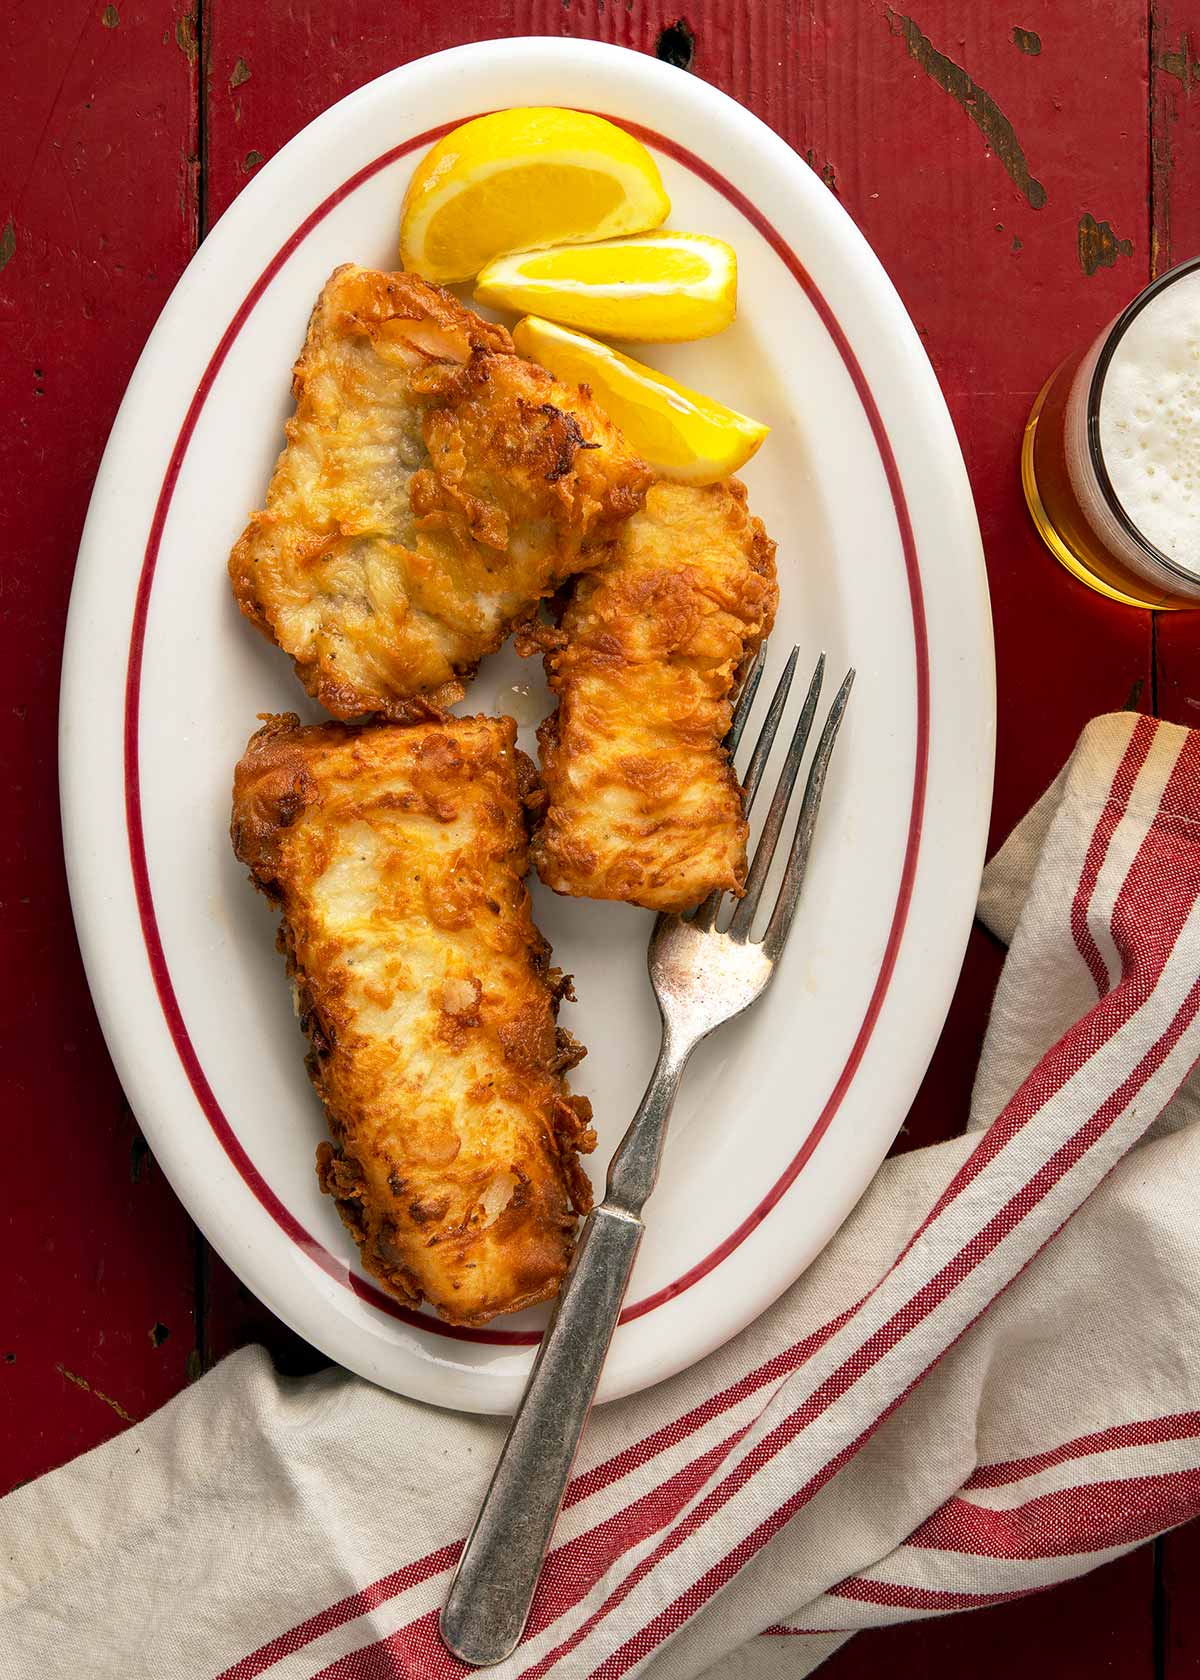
(1110, 463)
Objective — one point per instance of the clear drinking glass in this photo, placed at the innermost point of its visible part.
(1110, 463)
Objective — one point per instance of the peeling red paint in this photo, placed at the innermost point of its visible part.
(185, 37)
(90, 1388)
(978, 104)
(107, 213)
(1098, 245)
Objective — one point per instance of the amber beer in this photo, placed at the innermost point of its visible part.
(1110, 463)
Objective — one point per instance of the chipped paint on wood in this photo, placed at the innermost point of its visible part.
(1163, 114)
(185, 37)
(89, 1388)
(1027, 41)
(1098, 245)
(978, 104)
(827, 75)
(95, 123)
(241, 73)
(251, 162)
(110, 17)
(139, 1155)
(1182, 63)
(825, 170)
(8, 244)
(676, 44)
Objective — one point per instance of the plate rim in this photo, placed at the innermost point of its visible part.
(98, 962)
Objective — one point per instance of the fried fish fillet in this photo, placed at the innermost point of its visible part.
(397, 856)
(643, 802)
(434, 488)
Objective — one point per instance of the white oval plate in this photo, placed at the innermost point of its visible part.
(786, 1113)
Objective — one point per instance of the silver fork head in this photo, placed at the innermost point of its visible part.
(701, 976)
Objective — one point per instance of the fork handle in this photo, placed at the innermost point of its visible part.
(493, 1587)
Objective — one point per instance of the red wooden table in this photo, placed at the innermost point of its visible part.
(1021, 172)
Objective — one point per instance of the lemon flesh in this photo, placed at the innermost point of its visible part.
(520, 180)
(662, 287)
(682, 434)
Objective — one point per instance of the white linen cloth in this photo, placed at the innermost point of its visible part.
(966, 1398)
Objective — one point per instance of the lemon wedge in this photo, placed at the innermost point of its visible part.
(662, 286)
(682, 434)
(522, 179)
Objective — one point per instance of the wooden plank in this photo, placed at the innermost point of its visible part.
(1175, 127)
(1175, 189)
(1098, 1624)
(97, 218)
(1175, 186)
(937, 132)
(948, 197)
(855, 92)
(1180, 1631)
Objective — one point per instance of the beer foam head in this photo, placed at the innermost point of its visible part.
(1150, 421)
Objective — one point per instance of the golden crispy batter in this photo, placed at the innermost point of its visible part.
(433, 489)
(643, 802)
(397, 855)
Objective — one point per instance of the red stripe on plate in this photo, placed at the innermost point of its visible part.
(219, 1122)
(920, 772)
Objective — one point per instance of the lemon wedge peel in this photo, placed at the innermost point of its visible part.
(664, 287)
(571, 177)
(681, 433)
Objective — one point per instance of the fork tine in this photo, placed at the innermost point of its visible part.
(766, 737)
(706, 916)
(793, 880)
(746, 700)
(743, 916)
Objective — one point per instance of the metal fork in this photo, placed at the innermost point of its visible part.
(701, 977)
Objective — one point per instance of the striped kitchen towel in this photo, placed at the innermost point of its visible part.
(989, 1382)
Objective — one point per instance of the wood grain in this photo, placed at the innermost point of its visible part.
(1097, 1625)
(1175, 196)
(1175, 193)
(999, 296)
(998, 161)
(99, 114)
(1180, 1613)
